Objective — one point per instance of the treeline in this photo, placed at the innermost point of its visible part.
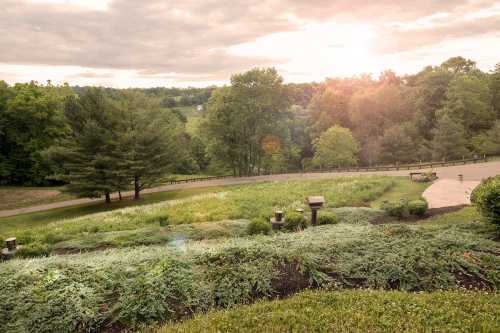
(451, 111)
(101, 140)
(169, 97)
(95, 140)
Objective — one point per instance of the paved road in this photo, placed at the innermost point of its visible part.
(469, 171)
(449, 192)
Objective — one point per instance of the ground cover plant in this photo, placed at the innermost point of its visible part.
(143, 224)
(128, 288)
(355, 311)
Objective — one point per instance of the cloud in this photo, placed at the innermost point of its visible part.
(91, 75)
(192, 38)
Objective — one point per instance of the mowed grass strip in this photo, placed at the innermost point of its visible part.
(355, 311)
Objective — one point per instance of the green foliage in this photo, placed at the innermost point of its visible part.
(85, 156)
(355, 311)
(404, 208)
(326, 218)
(418, 207)
(397, 209)
(486, 197)
(399, 143)
(449, 139)
(336, 147)
(149, 141)
(31, 120)
(468, 102)
(241, 117)
(295, 221)
(259, 227)
(327, 109)
(131, 287)
(34, 249)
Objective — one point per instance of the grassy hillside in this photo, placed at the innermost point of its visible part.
(145, 224)
(356, 311)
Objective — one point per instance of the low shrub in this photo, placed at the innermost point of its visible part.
(397, 209)
(295, 221)
(257, 227)
(418, 207)
(326, 218)
(403, 208)
(486, 197)
(35, 249)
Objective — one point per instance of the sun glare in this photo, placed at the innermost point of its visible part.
(317, 50)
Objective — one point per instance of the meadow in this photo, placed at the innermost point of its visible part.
(159, 223)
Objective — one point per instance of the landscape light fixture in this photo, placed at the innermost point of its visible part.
(315, 203)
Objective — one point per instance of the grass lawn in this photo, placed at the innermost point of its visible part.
(18, 197)
(14, 224)
(355, 311)
(403, 188)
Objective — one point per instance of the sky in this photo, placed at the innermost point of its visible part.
(148, 43)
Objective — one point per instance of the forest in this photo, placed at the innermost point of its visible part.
(101, 140)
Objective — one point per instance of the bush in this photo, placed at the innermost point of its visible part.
(326, 218)
(295, 221)
(417, 207)
(259, 227)
(486, 197)
(35, 249)
(397, 209)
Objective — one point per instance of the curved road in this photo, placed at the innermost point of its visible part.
(470, 172)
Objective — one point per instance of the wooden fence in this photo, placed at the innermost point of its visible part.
(414, 166)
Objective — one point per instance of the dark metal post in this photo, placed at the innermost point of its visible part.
(278, 215)
(314, 216)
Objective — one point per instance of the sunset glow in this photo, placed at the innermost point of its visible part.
(124, 43)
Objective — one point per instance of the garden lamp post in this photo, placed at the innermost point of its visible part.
(315, 203)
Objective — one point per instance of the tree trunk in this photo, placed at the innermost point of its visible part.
(108, 197)
(137, 190)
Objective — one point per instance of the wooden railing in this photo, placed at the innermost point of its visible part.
(414, 166)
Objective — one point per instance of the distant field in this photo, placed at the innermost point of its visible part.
(355, 311)
(17, 197)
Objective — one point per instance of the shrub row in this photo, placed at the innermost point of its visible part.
(127, 288)
(404, 208)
